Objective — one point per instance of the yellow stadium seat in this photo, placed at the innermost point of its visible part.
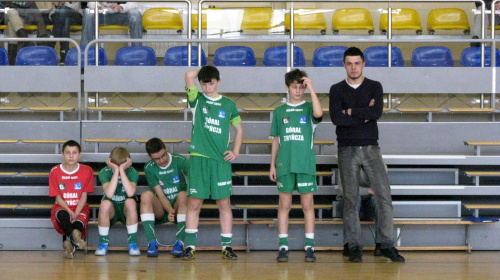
(72, 28)
(162, 18)
(448, 19)
(352, 19)
(113, 27)
(194, 19)
(307, 19)
(257, 18)
(402, 19)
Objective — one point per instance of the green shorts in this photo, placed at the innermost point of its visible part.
(119, 211)
(163, 219)
(209, 178)
(302, 183)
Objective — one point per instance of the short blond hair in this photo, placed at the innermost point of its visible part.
(119, 155)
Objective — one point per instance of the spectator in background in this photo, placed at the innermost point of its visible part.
(113, 13)
(476, 30)
(62, 15)
(21, 13)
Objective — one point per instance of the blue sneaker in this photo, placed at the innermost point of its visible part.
(133, 250)
(152, 249)
(102, 249)
(178, 249)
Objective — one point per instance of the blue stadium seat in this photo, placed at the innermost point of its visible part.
(4, 59)
(234, 56)
(276, 56)
(135, 56)
(72, 57)
(432, 56)
(329, 56)
(37, 55)
(376, 56)
(471, 57)
(177, 56)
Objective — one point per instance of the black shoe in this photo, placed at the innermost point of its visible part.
(189, 254)
(392, 254)
(355, 255)
(310, 257)
(228, 254)
(282, 255)
(472, 44)
(377, 252)
(345, 251)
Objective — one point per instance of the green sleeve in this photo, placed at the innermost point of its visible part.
(132, 175)
(104, 175)
(150, 177)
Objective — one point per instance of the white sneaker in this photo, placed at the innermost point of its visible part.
(102, 249)
(133, 250)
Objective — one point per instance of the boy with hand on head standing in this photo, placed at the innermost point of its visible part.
(293, 162)
(166, 198)
(69, 183)
(210, 156)
(119, 203)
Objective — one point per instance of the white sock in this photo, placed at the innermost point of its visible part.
(132, 228)
(147, 217)
(104, 231)
(181, 217)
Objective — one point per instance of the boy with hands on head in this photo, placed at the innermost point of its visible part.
(293, 162)
(119, 203)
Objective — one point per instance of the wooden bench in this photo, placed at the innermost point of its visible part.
(57, 142)
(399, 225)
(246, 207)
(471, 110)
(248, 142)
(477, 145)
(429, 111)
(97, 141)
(477, 207)
(167, 109)
(99, 110)
(169, 142)
(476, 174)
(269, 110)
(247, 174)
(61, 110)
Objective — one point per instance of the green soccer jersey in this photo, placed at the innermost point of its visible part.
(120, 194)
(295, 126)
(170, 178)
(212, 119)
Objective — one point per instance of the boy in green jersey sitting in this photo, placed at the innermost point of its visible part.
(119, 203)
(293, 163)
(166, 198)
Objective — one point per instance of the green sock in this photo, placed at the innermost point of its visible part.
(132, 237)
(225, 240)
(283, 240)
(104, 239)
(191, 236)
(309, 242)
(181, 231)
(149, 229)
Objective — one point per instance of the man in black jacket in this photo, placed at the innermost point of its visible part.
(356, 104)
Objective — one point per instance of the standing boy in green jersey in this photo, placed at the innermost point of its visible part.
(166, 197)
(210, 156)
(293, 163)
(119, 203)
